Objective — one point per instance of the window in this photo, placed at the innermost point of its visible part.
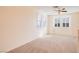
(62, 21)
(66, 22)
(57, 22)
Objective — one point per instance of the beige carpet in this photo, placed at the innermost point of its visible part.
(49, 44)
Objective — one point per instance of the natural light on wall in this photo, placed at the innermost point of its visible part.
(41, 24)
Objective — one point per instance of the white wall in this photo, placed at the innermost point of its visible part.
(70, 31)
(17, 26)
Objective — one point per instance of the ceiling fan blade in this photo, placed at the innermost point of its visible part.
(55, 6)
(63, 11)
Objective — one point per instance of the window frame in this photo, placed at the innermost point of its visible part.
(61, 18)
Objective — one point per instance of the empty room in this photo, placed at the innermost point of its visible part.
(39, 29)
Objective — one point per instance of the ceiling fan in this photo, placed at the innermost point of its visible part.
(59, 9)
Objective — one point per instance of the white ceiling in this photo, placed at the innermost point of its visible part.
(50, 10)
